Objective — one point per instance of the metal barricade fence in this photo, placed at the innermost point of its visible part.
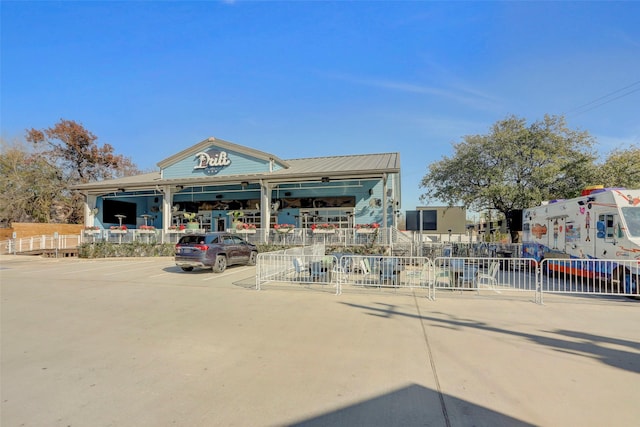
(591, 276)
(339, 270)
(394, 272)
(496, 274)
(297, 268)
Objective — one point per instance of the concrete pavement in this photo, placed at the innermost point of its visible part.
(137, 342)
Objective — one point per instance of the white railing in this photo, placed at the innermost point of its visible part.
(309, 265)
(398, 241)
(39, 243)
(319, 270)
(293, 266)
(496, 275)
(72, 241)
(590, 276)
(307, 236)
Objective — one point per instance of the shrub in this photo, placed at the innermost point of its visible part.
(134, 249)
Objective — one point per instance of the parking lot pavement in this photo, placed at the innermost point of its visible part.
(137, 342)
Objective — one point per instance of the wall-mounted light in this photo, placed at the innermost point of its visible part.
(121, 190)
(244, 184)
(325, 179)
(179, 187)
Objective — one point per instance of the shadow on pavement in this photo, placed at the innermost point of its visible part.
(410, 406)
(592, 346)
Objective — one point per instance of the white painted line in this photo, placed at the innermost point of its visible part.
(228, 272)
(159, 275)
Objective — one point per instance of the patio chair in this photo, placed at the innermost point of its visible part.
(490, 277)
(389, 272)
(365, 266)
(300, 269)
(339, 276)
(319, 271)
(442, 277)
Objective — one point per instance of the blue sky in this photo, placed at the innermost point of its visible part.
(307, 79)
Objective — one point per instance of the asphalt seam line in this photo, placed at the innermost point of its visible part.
(445, 414)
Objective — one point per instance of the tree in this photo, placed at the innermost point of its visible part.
(513, 167)
(621, 168)
(31, 187)
(73, 151)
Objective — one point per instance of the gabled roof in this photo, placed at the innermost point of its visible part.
(340, 166)
(381, 161)
(360, 166)
(193, 150)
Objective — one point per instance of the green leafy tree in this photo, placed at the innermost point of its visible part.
(621, 169)
(513, 167)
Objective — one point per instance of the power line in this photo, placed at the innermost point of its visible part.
(608, 101)
(605, 99)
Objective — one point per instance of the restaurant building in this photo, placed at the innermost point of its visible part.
(219, 181)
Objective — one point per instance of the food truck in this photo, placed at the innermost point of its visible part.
(601, 224)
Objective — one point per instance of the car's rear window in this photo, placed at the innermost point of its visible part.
(189, 240)
(197, 238)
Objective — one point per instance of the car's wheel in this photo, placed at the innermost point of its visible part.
(220, 264)
(252, 258)
(186, 268)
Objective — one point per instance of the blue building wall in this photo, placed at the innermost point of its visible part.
(239, 164)
(368, 195)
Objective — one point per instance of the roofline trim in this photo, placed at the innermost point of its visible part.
(193, 150)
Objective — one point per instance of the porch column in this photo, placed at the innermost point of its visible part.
(265, 209)
(89, 204)
(167, 202)
(385, 206)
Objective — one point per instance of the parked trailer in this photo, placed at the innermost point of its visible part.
(601, 224)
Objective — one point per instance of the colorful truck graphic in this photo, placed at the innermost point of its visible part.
(601, 224)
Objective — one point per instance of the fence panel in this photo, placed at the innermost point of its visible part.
(497, 274)
(375, 271)
(39, 243)
(312, 268)
(590, 276)
(349, 271)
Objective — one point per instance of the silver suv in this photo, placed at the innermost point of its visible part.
(213, 250)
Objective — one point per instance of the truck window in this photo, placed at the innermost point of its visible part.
(631, 216)
(608, 223)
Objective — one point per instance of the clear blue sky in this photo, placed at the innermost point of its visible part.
(307, 79)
